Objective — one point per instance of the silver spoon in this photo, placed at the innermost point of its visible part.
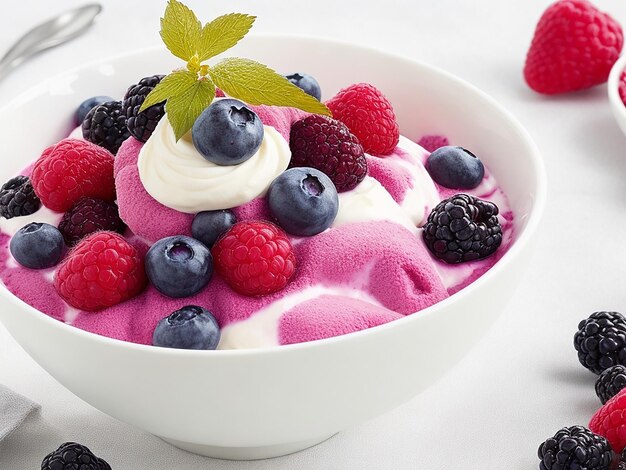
(53, 32)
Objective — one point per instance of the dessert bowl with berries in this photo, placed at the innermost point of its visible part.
(218, 257)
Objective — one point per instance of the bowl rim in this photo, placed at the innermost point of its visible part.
(532, 222)
(613, 88)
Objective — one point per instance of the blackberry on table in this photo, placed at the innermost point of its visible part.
(18, 198)
(142, 124)
(601, 341)
(73, 456)
(575, 447)
(105, 125)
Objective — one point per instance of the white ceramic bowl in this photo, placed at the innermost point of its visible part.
(617, 106)
(263, 403)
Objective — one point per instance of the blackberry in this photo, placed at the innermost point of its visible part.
(142, 124)
(18, 198)
(601, 340)
(105, 125)
(73, 456)
(610, 382)
(463, 228)
(575, 447)
(622, 461)
(87, 216)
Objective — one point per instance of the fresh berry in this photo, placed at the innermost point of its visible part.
(87, 216)
(328, 145)
(307, 83)
(431, 143)
(463, 228)
(191, 327)
(610, 382)
(455, 167)
(610, 421)
(575, 447)
(601, 341)
(369, 116)
(73, 456)
(227, 132)
(71, 170)
(255, 258)
(37, 246)
(208, 226)
(18, 198)
(101, 271)
(622, 87)
(179, 266)
(105, 125)
(303, 200)
(142, 124)
(622, 461)
(574, 47)
(88, 105)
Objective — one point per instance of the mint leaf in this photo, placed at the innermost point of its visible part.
(256, 83)
(223, 33)
(176, 83)
(180, 30)
(183, 109)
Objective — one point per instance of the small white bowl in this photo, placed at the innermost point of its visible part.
(617, 106)
(252, 404)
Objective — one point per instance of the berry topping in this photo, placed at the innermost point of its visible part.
(105, 125)
(455, 167)
(18, 198)
(575, 447)
(71, 170)
(307, 83)
(142, 124)
(88, 105)
(574, 47)
(463, 228)
(37, 246)
(208, 226)
(179, 266)
(610, 382)
(303, 200)
(601, 341)
(101, 271)
(227, 132)
(431, 143)
(191, 327)
(87, 216)
(328, 145)
(369, 116)
(255, 258)
(610, 421)
(73, 456)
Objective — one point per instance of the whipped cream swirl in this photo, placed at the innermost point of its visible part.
(179, 177)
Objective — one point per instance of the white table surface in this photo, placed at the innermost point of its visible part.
(523, 381)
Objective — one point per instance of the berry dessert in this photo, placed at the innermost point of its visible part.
(227, 207)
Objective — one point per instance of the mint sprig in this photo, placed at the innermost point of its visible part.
(187, 92)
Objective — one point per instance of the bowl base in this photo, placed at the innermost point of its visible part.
(246, 453)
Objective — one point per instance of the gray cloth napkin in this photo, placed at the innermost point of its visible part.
(14, 408)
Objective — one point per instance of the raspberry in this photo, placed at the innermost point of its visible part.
(142, 124)
(610, 382)
(105, 125)
(254, 258)
(610, 421)
(101, 271)
(328, 146)
(369, 116)
(575, 447)
(601, 341)
(574, 47)
(18, 198)
(73, 456)
(87, 216)
(71, 170)
(431, 143)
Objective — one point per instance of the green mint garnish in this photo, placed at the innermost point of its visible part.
(191, 90)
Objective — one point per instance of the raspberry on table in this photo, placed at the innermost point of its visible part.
(328, 146)
(369, 116)
(601, 341)
(255, 258)
(18, 198)
(610, 421)
(71, 170)
(610, 382)
(141, 124)
(73, 456)
(101, 271)
(87, 216)
(105, 125)
(574, 47)
(575, 447)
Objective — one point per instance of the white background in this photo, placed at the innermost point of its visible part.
(523, 382)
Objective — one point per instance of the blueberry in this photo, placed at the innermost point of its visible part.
(85, 107)
(191, 327)
(455, 167)
(208, 226)
(227, 132)
(179, 266)
(37, 246)
(307, 83)
(303, 200)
